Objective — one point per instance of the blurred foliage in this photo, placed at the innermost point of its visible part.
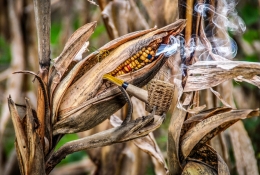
(5, 54)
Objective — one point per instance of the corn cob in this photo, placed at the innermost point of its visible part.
(138, 60)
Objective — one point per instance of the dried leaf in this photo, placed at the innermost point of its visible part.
(61, 89)
(174, 132)
(243, 150)
(43, 108)
(72, 47)
(220, 98)
(206, 74)
(84, 166)
(36, 162)
(222, 166)
(208, 128)
(206, 114)
(149, 145)
(132, 130)
(219, 143)
(146, 143)
(196, 110)
(197, 168)
(205, 155)
(22, 145)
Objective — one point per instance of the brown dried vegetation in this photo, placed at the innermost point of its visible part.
(72, 97)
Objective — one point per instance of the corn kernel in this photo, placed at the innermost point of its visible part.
(130, 65)
(126, 69)
(145, 54)
(142, 58)
(133, 63)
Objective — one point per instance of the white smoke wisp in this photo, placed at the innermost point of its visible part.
(225, 18)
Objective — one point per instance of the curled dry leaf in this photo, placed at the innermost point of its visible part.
(86, 94)
(209, 127)
(174, 133)
(21, 140)
(206, 114)
(146, 143)
(206, 74)
(209, 160)
(222, 166)
(72, 47)
(149, 145)
(28, 146)
(193, 167)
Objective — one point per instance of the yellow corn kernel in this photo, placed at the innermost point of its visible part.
(136, 62)
(142, 63)
(132, 64)
(138, 55)
(149, 48)
(152, 53)
(147, 51)
(143, 49)
(145, 54)
(126, 69)
(139, 66)
(140, 52)
(142, 58)
(146, 60)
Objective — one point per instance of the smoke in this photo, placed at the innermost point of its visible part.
(225, 18)
(213, 41)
